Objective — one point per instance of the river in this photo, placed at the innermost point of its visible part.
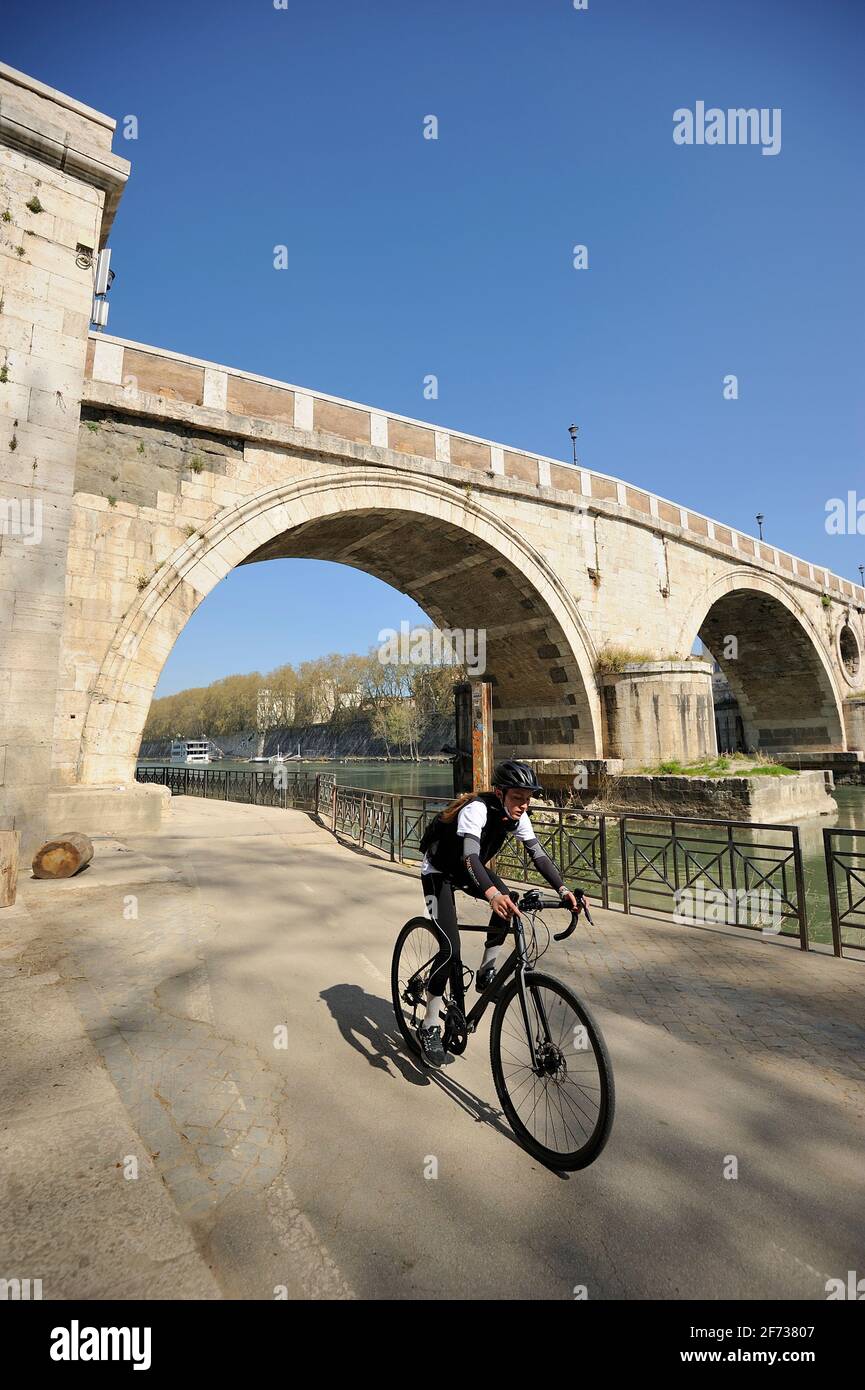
(412, 779)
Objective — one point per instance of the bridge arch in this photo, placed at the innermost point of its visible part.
(459, 561)
(774, 659)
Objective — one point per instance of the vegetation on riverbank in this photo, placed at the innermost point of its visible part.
(398, 702)
(727, 765)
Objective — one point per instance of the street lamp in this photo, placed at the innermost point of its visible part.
(573, 431)
(760, 519)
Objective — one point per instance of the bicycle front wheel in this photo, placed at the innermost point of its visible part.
(561, 1108)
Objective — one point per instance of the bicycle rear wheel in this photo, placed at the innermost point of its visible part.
(416, 948)
(561, 1111)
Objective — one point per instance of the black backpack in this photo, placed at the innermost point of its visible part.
(439, 828)
(431, 833)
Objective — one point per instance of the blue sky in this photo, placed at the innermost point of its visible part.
(407, 256)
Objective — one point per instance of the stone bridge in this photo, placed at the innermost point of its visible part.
(151, 475)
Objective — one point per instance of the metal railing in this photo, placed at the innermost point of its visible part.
(845, 872)
(285, 787)
(738, 873)
(576, 843)
(635, 861)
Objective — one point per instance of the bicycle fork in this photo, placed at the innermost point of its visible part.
(524, 1001)
(524, 1006)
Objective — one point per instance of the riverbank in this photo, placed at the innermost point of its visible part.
(352, 739)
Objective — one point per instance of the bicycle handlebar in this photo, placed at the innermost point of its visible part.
(532, 901)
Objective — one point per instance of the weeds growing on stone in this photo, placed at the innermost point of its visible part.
(725, 765)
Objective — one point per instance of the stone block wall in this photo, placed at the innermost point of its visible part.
(52, 223)
(654, 707)
(763, 800)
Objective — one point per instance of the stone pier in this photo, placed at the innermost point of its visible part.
(59, 187)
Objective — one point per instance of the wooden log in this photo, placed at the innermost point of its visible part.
(63, 856)
(10, 841)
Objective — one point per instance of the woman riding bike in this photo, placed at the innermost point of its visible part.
(458, 844)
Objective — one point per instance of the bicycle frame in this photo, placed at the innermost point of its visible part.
(516, 963)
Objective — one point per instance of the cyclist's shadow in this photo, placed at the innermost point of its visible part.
(365, 1018)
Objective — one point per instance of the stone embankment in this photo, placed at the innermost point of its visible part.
(766, 800)
(352, 740)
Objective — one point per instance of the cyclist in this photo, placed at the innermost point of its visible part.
(457, 845)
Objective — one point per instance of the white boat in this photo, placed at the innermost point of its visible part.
(192, 750)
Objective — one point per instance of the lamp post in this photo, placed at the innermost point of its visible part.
(573, 431)
(760, 519)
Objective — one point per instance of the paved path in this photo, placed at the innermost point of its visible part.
(303, 1168)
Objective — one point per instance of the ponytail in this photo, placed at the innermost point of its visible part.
(454, 808)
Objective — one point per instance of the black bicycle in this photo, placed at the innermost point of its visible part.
(551, 1068)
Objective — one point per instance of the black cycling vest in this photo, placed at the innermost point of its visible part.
(444, 848)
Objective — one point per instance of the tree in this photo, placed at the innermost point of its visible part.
(400, 700)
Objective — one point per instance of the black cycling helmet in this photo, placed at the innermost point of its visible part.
(517, 776)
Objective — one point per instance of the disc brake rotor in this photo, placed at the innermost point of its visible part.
(551, 1062)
